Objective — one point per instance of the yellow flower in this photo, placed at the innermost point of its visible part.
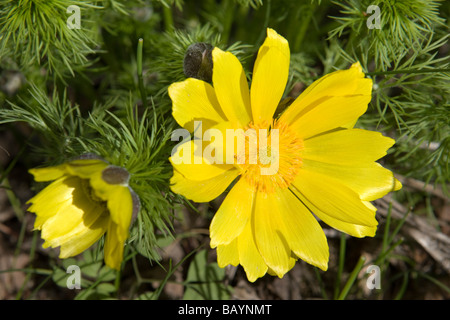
(87, 198)
(325, 167)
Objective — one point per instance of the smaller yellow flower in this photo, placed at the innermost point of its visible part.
(87, 198)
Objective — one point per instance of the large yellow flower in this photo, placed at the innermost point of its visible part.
(325, 166)
(87, 198)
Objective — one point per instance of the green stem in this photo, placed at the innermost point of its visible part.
(397, 228)
(306, 21)
(168, 18)
(406, 71)
(139, 71)
(31, 255)
(321, 285)
(263, 33)
(40, 271)
(171, 270)
(385, 242)
(403, 286)
(337, 286)
(435, 281)
(384, 254)
(229, 8)
(352, 278)
(15, 202)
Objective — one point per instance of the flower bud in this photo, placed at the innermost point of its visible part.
(115, 175)
(198, 61)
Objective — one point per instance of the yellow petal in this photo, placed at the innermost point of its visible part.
(120, 206)
(195, 166)
(231, 87)
(204, 190)
(217, 141)
(370, 180)
(228, 141)
(242, 250)
(57, 229)
(100, 187)
(397, 184)
(74, 216)
(249, 256)
(270, 75)
(233, 214)
(329, 114)
(333, 198)
(195, 100)
(85, 168)
(348, 146)
(118, 200)
(267, 224)
(228, 254)
(301, 230)
(49, 201)
(354, 230)
(114, 245)
(339, 83)
(81, 241)
(49, 173)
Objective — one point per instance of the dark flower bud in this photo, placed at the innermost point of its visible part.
(115, 175)
(198, 61)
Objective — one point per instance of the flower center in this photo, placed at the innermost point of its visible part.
(90, 193)
(272, 156)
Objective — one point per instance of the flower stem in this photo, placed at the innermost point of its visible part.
(139, 71)
(168, 18)
(340, 266)
(263, 33)
(230, 11)
(352, 278)
(306, 22)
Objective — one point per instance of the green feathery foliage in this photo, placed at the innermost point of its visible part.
(102, 88)
(35, 32)
(403, 25)
(411, 74)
